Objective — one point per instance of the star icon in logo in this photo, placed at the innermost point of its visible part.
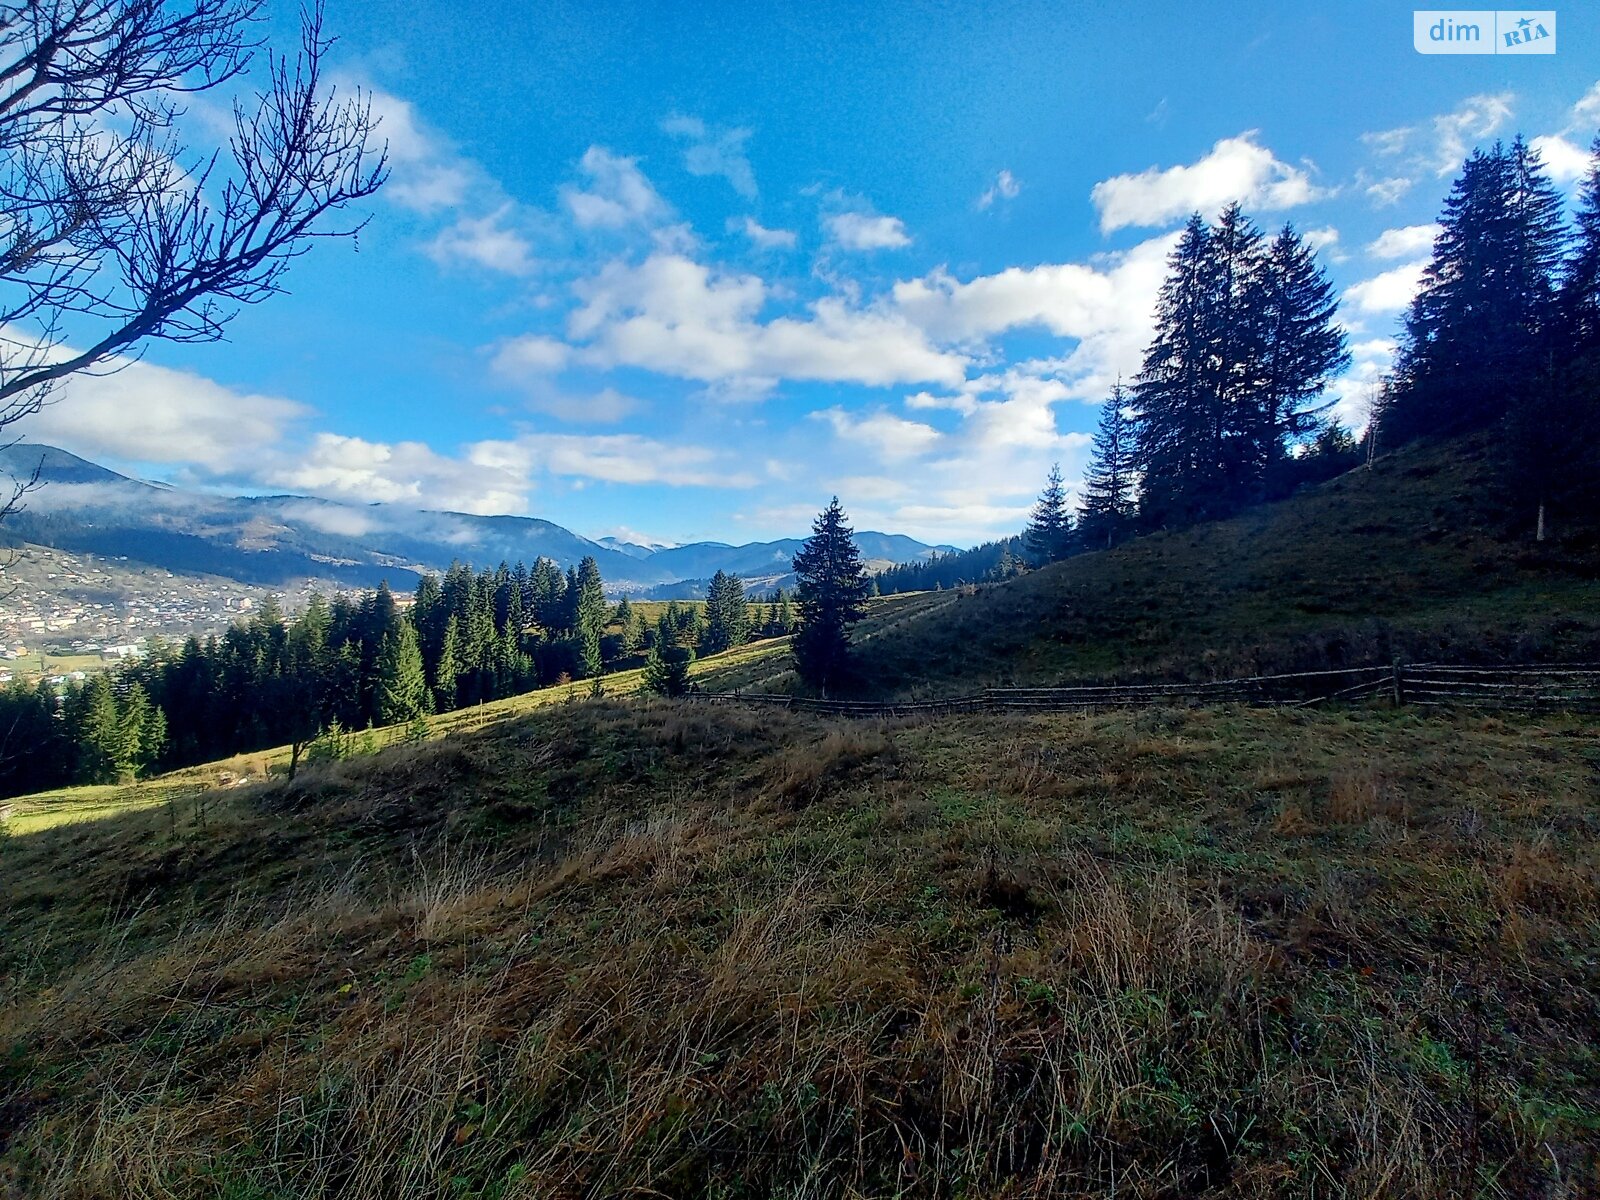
(1524, 23)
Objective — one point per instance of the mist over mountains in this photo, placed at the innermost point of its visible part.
(279, 540)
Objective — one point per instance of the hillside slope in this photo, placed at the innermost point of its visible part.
(677, 950)
(1411, 559)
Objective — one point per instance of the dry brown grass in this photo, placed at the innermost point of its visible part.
(690, 952)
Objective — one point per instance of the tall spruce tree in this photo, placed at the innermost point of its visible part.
(1177, 409)
(402, 683)
(1580, 287)
(830, 596)
(727, 618)
(666, 667)
(1049, 534)
(1108, 507)
(1303, 346)
(1480, 327)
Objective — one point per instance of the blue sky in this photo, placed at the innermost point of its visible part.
(682, 272)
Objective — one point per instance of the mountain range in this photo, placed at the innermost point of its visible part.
(277, 540)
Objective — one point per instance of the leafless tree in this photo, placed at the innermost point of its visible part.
(113, 231)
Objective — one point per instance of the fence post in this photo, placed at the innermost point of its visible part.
(1399, 693)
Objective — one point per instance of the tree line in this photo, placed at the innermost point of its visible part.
(1229, 407)
(353, 663)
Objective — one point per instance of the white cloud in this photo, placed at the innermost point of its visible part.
(1004, 187)
(1354, 391)
(1405, 242)
(1325, 238)
(890, 438)
(715, 152)
(1390, 191)
(678, 317)
(1236, 168)
(1387, 293)
(613, 458)
(1564, 161)
(410, 473)
(425, 173)
(488, 242)
(531, 354)
(141, 412)
(865, 231)
(1107, 308)
(617, 194)
(1443, 143)
(767, 239)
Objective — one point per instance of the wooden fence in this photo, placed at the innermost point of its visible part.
(1573, 687)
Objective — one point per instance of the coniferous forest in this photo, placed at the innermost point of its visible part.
(345, 665)
(1228, 410)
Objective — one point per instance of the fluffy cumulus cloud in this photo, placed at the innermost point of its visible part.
(489, 242)
(405, 473)
(1390, 292)
(889, 438)
(627, 458)
(1567, 153)
(1105, 307)
(491, 476)
(974, 480)
(1406, 242)
(719, 152)
(1356, 391)
(865, 231)
(679, 317)
(140, 412)
(1237, 168)
(530, 355)
(426, 174)
(761, 236)
(614, 194)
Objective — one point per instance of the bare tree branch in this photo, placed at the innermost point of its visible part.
(113, 232)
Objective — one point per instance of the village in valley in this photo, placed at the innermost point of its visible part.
(68, 614)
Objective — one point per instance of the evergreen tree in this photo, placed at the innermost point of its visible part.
(1580, 288)
(831, 594)
(104, 750)
(666, 668)
(1303, 347)
(1108, 508)
(402, 682)
(1480, 326)
(444, 678)
(1049, 535)
(1178, 415)
(633, 633)
(727, 618)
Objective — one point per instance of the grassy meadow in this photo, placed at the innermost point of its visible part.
(659, 948)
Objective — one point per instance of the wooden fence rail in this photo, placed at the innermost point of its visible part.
(1573, 687)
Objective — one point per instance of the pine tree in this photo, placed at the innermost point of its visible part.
(831, 594)
(1303, 346)
(402, 683)
(444, 676)
(1177, 411)
(633, 633)
(666, 668)
(1107, 512)
(727, 622)
(1480, 326)
(1580, 288)
(1050, 524)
